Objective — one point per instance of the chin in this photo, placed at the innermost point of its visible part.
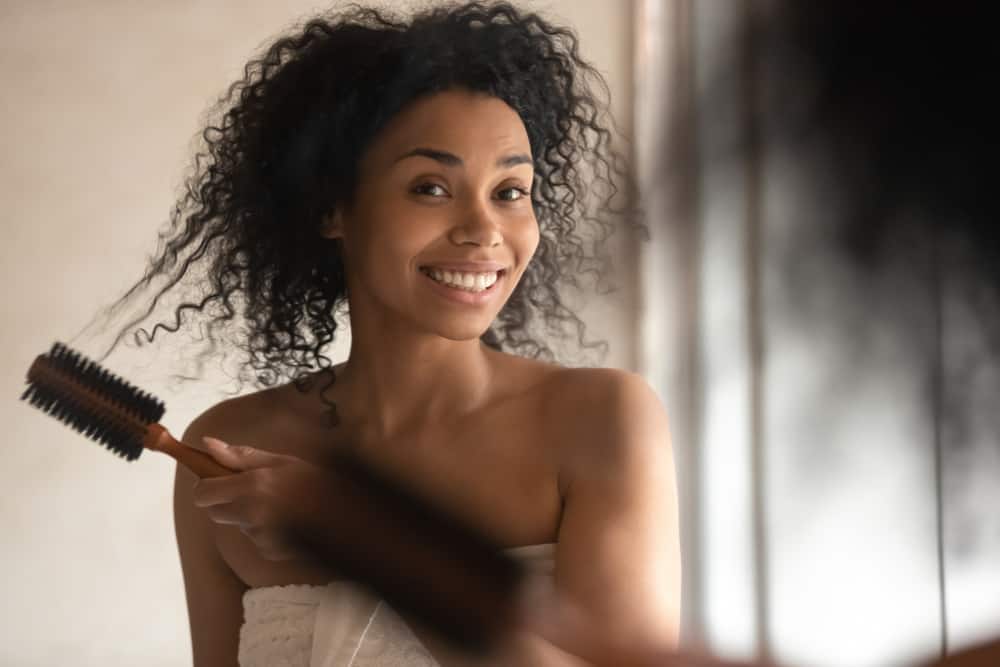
(462, 333)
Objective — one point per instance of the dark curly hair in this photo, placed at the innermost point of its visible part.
(283, 150)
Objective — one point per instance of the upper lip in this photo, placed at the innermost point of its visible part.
(472, 267)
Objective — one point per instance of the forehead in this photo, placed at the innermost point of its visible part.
(466, 123)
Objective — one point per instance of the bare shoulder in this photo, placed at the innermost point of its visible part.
(604, 416)
(594, 397)
(235, 419)
(600, 380)
(229, 420)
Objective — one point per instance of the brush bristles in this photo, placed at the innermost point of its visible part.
(145, 406)
(119, 440)
(91, 400)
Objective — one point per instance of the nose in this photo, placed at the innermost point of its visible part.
(478, 226)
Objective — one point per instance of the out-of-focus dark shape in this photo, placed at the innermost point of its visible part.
(981, 655)
(827, 169)
(424, 562)
(896, 99)
(904, 93)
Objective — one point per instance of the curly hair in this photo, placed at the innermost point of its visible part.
(284, 151)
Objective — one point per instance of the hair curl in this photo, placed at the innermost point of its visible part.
(284, 153)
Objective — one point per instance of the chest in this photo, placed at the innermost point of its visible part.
(497, 472)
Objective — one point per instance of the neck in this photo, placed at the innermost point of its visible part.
(401, 381)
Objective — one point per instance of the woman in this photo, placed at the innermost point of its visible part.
(430, 175)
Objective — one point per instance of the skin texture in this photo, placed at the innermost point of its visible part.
(529, 452)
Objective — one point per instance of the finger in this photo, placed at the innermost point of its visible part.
(280, 553)
(228, 514)
(268, 542)
(217, 490)
(240, 457)
(270, 545)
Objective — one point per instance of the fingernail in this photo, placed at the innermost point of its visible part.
(213, 442)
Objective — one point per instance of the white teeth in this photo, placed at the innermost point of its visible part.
(470, 282)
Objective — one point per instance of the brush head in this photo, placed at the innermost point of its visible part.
(98, 404)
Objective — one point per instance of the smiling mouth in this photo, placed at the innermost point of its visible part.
(473, 282)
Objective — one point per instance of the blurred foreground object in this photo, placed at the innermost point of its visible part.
(983, 655)
(903, 93)
(833, 374)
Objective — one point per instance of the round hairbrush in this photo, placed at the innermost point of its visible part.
(389, 539)
(107, 409)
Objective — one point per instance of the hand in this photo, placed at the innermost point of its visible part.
(267, 496)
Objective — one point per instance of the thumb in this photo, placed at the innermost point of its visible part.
(239, 457)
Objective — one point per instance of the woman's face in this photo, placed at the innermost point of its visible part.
(442, 225)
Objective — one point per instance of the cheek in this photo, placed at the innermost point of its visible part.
(528, 241)
(394, 233)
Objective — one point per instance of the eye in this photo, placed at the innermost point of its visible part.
(512, 194)
(430, 190)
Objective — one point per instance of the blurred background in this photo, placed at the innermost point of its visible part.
(806, 307)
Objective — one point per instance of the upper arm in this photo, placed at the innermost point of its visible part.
(214, 593)
(618, 556)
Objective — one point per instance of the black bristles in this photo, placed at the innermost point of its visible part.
(144, 406)
(56, 391)
(123, 441)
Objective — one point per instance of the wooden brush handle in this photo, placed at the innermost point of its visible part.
(199, 463)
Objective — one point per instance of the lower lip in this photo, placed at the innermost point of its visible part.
(462, 296)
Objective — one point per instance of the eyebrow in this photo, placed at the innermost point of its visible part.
(452, 160)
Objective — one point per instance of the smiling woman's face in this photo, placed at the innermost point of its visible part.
(443, 208)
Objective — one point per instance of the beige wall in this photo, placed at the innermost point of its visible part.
(100, 101)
